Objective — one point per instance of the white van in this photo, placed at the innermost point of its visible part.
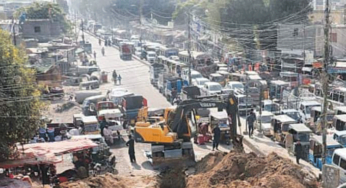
(339, 160)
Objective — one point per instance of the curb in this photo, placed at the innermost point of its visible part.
(253, 147)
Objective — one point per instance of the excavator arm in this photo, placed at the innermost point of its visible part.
(177, 121)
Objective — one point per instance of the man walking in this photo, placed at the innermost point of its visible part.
(115, 77)
(298, 150)
(250, 121)
(131, 145)
(103, 124)
(119, 79)
(217, 134)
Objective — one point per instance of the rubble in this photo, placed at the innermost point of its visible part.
(237, 170)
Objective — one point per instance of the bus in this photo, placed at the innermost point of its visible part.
(167, 52)
(200, 61)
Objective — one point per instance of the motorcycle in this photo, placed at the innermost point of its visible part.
(104, 166)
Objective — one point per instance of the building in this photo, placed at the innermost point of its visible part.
(42, 29)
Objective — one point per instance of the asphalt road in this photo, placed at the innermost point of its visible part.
(135, 76)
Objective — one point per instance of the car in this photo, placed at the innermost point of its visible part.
(199, 82)
(151, 57)
(115, 95)
(235, 86)
(138, 51)
(194, 75)
(211, 89)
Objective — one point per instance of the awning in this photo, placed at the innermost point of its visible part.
(47, 153)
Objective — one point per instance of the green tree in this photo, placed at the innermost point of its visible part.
(19, 98)
(45, 10)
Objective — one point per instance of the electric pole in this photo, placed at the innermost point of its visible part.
(14, 32)
(325, 83)
(140, 22)
(189, 46)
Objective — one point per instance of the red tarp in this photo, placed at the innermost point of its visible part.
(47, 153)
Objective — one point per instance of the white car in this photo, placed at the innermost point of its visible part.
(199, 82)
(235, 86)
(211, 89)
(138, 51)
(151, 57)
(115, 95)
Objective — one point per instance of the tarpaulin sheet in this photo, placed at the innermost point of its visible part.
(47, 153)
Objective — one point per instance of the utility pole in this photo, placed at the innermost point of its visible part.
(325, 83)
(140, 22)
(83, 32)
(14, 32)
(189, 46)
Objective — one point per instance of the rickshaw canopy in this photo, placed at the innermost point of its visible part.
(300, 128)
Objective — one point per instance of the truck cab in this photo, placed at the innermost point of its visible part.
(305, 109)
(173, 83)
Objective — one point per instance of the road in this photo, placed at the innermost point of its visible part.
(135, 76)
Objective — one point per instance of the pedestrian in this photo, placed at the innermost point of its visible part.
(103, 124)
(250, 121)
(100, 42)
(119, 79)
(115, 76)
(94, 54)
(217, 134)
(298, 150)
(103, 51)
(131, 145)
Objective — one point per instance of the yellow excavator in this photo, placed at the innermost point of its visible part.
(170, 139)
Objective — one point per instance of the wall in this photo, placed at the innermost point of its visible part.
(337, 40)
(48, 30)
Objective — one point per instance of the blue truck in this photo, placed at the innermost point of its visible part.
(173, 83)
(130, 107)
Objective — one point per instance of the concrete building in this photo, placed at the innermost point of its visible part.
(42, 29)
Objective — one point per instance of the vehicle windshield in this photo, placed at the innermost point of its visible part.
(308, 109)
(266, 119)
(342, 140)
(271, 107)
(285, 127)
(194, 76)
(293, 115)
(238, 86)
(217, 79)
(215, 88)
(202, 82)
(304, 137)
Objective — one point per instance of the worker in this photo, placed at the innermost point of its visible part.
(298, 150)
(217, 134)
(250, 121)
(108, 135)
(131, 145)
(119, 79)
(103, 124)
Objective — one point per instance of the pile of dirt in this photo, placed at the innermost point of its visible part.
(172, 178)
(248, 170)
(114, 181)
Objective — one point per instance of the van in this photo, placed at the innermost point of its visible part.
(339, 161)
(80, 96)
(89, 104)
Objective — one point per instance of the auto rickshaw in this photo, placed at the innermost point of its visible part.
(276, 88)
(315, 152)
(77, 119)
(315, 119)
(226, 75)
(340, 137)
(238, 77)
(339, 122)
(280, 126)
(215, 77)
(221, 119)
(300, 132)
(90, 125)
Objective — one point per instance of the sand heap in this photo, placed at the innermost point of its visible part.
(113, 181)
(240, 170)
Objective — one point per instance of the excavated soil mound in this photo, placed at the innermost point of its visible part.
(114, 181)
(241, 170)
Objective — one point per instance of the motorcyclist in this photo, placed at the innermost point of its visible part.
(103, 51)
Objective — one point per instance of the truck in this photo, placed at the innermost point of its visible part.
(155, 70)
(130, 107)
(173, 83)
(125, 51)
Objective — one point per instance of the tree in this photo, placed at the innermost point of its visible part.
(19, 98)
(45, 10)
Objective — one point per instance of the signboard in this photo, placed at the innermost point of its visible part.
(330, 176)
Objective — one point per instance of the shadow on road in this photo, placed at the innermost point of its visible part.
(136, 166)
(147, 165)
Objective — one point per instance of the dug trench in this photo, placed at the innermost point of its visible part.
(221, 170)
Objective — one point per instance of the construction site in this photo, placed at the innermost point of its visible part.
(222, 170)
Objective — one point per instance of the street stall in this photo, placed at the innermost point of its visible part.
(42, 157)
